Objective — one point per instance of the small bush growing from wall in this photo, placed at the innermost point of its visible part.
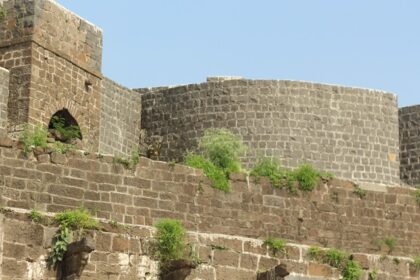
(276, 245)
(271, 169)
(34, 137)
(69, 221)
(215, 174)
(352, 271)
(170, 244)
(219, 156)
(305, 175)
(335, 258)
(222, 148)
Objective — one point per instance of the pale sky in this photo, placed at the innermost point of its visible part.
(364, 43)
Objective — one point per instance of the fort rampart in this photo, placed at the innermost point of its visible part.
(332, 216)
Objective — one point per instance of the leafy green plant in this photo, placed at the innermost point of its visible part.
(314, 252)
(170, 244)
(276, 245)
(222, 148)
(67, 132)
(307, 176)
(359, 192)
(35, 216)
(76, 219)
(220, 152)
(352, 271)
(416, 263)
(417, 196)
(335, 257)
(217, 175)
(69, 220)
(272, 170)
(33, 137)
(61, 241)
(390, 242)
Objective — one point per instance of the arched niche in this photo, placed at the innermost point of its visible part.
(64, 126)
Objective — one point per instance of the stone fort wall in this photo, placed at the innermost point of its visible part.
(4, 97)
(54, 58)
(331, 216)
(349, 131)
(410, 144)
(120, 119)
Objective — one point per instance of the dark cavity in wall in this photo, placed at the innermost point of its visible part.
(65, 121)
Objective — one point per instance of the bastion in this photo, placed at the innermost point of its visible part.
(351, 132)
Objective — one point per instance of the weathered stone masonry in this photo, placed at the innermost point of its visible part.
(4, 97)
(54, 58)
(349, 131)
(120, 119)
(410, 144)
(332, 216)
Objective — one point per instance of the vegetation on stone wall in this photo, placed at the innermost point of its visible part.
(35, 216)
(33, 137)
(64, 133)
(219, 156)
(349, 268)
(39, 137)
(2, 12)
(305, 176)
(417, 196)
(170, 240)
(129, 162)
(69, 221)
(277, 245)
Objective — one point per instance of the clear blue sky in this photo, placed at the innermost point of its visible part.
(366, 43)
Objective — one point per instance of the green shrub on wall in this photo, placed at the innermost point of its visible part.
(306, 176)
(219, 155)
(170, 240)
(222, 148)
(34, 137)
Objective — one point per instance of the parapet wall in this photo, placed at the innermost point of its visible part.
(349, 131)
(332, 215)
(410, 144)
(120, 119)
(4, 97)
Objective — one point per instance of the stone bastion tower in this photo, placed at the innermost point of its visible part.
(52, 60)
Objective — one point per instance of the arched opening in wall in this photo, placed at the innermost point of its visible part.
(63, 127)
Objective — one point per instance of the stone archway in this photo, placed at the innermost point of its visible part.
(64, 127)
